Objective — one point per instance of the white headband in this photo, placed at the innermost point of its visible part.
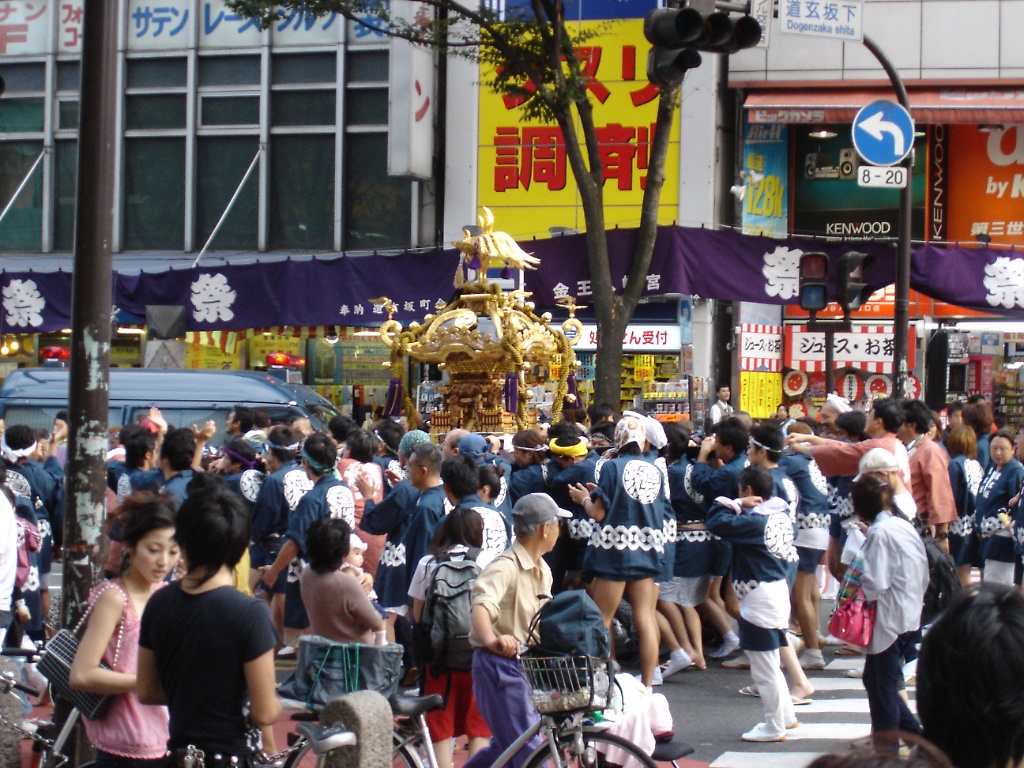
(12, 455)
(841, 404)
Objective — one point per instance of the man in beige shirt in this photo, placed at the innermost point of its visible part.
(505, 597)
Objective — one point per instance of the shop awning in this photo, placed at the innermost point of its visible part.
(929, 106)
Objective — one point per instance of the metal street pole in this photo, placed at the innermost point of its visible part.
(901, 329)
(91, 301)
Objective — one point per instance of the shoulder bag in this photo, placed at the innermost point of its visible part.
(59, 655)
(854, 618)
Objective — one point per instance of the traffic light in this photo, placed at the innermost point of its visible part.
(675, 31)
(813, 281)
(850, 285)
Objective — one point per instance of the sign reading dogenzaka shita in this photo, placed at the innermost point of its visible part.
(834, 19)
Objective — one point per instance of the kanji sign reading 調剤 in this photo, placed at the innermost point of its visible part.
(524, 175)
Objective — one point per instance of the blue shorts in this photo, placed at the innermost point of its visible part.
(809, 559)
(755, 638)
(261, 555)
(721, 559)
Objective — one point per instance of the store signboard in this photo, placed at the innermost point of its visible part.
(869, 348)
(766, 181)
(986, 183)
(760, 393)
(25, 27)
(523, 172)
(411, 100)
(760, 348)
(637, 338)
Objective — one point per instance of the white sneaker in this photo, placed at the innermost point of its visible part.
(656, 678)
(761, 732)
(795, 642)
(677, 663)
(729, 644)
(829, 640)
(812, 660)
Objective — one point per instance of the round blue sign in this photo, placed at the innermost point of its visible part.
(883, 133)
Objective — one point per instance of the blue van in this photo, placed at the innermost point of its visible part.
(34, 396)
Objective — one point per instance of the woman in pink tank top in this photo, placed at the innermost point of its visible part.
(131, 734)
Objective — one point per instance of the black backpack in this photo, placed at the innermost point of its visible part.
(442, 633)
(571, 624)
(943, 580)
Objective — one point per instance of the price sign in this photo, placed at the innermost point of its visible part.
(643, 367)
(873, 176)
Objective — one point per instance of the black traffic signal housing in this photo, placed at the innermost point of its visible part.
(813, 281)
(674, 31)
(850, 285)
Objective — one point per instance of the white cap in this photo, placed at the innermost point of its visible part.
(877, 460)
(355, 543)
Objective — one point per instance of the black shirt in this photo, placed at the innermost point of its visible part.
(201, 643)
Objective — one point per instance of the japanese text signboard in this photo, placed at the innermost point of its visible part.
(766, 199)
(986, 185)
(637, 338)
(524, 174)
(832, 19)
(869, 348)
(25, 27)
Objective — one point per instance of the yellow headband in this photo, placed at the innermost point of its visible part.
(579, 449)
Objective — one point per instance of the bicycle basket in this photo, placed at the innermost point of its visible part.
(567, 683)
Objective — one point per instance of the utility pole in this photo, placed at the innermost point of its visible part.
(91, 300)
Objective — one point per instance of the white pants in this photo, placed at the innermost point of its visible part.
(997, 572)
(771, 684)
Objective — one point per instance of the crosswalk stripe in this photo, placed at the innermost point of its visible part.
(764, 759)
(847, 706)
(837, 684)
(831, 731)
(845, 662)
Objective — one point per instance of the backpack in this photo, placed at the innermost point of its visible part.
(943, 580)
(571, 624)
(443, 629)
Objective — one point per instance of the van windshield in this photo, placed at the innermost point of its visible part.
(188, 417)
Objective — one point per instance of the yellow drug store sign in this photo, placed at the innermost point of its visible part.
(524, 175)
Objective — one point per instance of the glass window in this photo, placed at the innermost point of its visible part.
(67, 76)
(229, 70)
(303, 108)
(21, 115)
(221, 163)
(378, 207)
(67, 117)
(154, 194)
(302, 68)
(302, 192)
(231, 110)
(23, 78)
(366, 106)
(157, 73)
(155, 111)
(367, 67)
(22, 228)
(66, 162)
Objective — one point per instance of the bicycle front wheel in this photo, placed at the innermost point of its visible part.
(405, 755)
(593, 749)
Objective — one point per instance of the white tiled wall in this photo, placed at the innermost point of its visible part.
(934, 40)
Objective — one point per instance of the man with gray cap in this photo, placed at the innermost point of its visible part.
(506, 595)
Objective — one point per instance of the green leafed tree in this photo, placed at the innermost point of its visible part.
(535, 45)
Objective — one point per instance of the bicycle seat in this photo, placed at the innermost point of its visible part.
(323, 740)
(414, 706)
(669, 751)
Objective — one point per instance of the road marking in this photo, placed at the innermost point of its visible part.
(837, 684)
(843, 663)
(831, 731)
(848, 706)
(764, 759)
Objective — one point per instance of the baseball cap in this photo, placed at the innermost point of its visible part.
(877, 460)
(355, 543)
(537, 508)
(474, 445)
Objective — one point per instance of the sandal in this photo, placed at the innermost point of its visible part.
(749, 690)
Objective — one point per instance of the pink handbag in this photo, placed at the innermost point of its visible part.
(854, 620)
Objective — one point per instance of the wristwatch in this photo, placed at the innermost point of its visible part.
(942, 536)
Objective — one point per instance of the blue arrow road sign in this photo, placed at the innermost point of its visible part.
(883, 133)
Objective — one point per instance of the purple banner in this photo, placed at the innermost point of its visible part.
(337, 291)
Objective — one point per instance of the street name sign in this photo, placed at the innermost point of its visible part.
(888, 176)
(883, 133)
(823, 18)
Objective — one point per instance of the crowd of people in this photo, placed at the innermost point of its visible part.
(220, 560)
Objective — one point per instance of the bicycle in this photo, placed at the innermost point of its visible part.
(313, 742)
(48, 751)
